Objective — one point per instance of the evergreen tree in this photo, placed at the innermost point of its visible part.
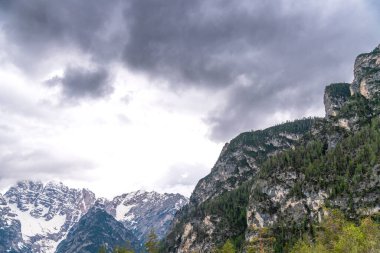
(152, 245)
(228, 247)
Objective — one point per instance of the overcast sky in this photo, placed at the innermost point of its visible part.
(142, 94)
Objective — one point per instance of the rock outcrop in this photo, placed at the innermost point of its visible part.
(367, 74)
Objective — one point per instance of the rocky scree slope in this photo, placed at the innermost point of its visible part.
(334, 163)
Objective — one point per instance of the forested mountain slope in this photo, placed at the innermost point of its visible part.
(277, 196)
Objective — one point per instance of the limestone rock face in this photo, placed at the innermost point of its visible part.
(367, 74)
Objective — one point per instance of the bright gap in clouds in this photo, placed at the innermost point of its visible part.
(138, 138)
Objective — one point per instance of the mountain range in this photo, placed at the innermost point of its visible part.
(37, 217)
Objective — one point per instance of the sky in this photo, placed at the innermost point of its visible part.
(117, 96)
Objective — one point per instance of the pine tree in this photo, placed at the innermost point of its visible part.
(152, 244)
(228, 247)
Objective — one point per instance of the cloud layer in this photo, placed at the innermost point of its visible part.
(250, 64)
(268, 57)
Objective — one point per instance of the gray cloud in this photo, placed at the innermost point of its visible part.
(267, 56)
(41, 27)
(79, 82)
(38, 31)
(184, 174)
(18, 162)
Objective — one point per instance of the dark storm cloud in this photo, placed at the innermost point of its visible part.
(79, 82)
(41, 30)
(270, 56)
(267, 56)
(42, 27)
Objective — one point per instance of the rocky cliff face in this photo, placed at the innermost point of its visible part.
(284, 193)
(367, 74)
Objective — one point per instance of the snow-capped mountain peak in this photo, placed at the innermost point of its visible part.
(46, 212)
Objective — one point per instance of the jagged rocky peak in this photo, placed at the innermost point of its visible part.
(336, 95)
(367, 74)
(349, 106)
(45, 212)
(366, 83)
(54, 198)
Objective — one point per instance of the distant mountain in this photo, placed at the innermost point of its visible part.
(95, 229)
(36, 217)
(43, 214)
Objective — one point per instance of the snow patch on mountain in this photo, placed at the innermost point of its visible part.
(122, 211)
(32, 226)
